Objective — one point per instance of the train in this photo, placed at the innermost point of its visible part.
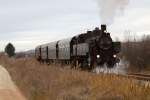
(86, 51)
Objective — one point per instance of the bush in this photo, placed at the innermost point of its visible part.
(137, 52)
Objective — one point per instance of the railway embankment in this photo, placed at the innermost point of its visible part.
(55, 82)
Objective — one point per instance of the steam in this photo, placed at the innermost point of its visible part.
(120, 68)
(109, 9)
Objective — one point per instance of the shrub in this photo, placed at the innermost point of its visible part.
(137, 52)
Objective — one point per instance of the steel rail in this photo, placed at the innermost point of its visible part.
(144, 77)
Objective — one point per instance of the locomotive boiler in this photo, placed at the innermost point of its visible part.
(86, 50)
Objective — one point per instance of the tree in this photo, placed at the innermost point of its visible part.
(10, 50)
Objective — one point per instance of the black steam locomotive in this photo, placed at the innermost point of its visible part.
(88, 50)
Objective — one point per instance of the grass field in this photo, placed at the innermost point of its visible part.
(42, 82)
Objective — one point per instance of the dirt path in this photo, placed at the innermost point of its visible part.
(8, 90)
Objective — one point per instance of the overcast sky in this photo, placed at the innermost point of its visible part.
(28, 23)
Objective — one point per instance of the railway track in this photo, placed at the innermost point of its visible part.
(137, 76)
(144, 77)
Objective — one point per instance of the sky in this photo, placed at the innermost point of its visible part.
(28, 23)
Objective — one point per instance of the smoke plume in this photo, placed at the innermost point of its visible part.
(109, 8)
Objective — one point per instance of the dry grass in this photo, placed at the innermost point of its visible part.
(42, 82)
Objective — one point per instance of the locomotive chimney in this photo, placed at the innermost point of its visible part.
(103, 27)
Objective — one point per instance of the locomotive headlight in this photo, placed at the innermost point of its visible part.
(98, 56)
(114, 56)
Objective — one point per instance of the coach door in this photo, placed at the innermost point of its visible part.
(47, 52)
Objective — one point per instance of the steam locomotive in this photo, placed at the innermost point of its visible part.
(87, 50)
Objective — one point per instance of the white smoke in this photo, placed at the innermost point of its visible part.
(110, 8)
(120, 68)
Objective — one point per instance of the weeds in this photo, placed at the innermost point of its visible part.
(42, 82)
